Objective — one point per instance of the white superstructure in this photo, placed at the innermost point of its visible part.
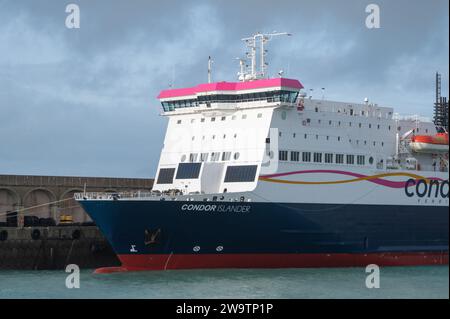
(265, 138)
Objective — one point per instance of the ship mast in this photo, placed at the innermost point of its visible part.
(255, 43)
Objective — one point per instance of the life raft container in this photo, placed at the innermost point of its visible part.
(430, 143)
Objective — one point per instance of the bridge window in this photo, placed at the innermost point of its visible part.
(188, 170)
(242, 173)
(273, 96)
(165, 176)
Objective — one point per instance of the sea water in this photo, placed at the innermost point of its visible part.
(395, 282)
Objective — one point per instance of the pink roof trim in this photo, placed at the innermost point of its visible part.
(231, 86)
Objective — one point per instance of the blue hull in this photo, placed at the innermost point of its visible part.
(168, 227)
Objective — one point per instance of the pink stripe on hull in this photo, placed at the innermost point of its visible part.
(379, 181)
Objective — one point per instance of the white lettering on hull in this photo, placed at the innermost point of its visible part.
(216, 208)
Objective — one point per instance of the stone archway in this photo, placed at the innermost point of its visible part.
(9, 201)
(71, 207)
(37, 202)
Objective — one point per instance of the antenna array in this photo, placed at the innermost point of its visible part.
(256, 43)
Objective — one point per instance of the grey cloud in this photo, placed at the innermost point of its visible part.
(82, 102)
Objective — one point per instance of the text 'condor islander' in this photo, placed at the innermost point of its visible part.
(255, 173)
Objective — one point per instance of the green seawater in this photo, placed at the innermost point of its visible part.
(395, 282)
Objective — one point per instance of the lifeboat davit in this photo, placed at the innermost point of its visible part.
(430, 143)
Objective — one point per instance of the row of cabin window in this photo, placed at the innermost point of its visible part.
(308, 121)
(360, 125)
(223, 118)
(362, 113)
(213, 157)
(338, 138)
(274, 96)
(317, 157)
(213, 137)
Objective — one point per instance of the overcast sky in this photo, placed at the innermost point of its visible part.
(83, 102)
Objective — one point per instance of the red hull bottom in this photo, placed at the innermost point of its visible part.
(190, 261)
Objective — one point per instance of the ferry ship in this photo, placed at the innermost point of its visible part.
(259, 174)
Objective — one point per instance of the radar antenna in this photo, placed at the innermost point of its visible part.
(255, 43)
